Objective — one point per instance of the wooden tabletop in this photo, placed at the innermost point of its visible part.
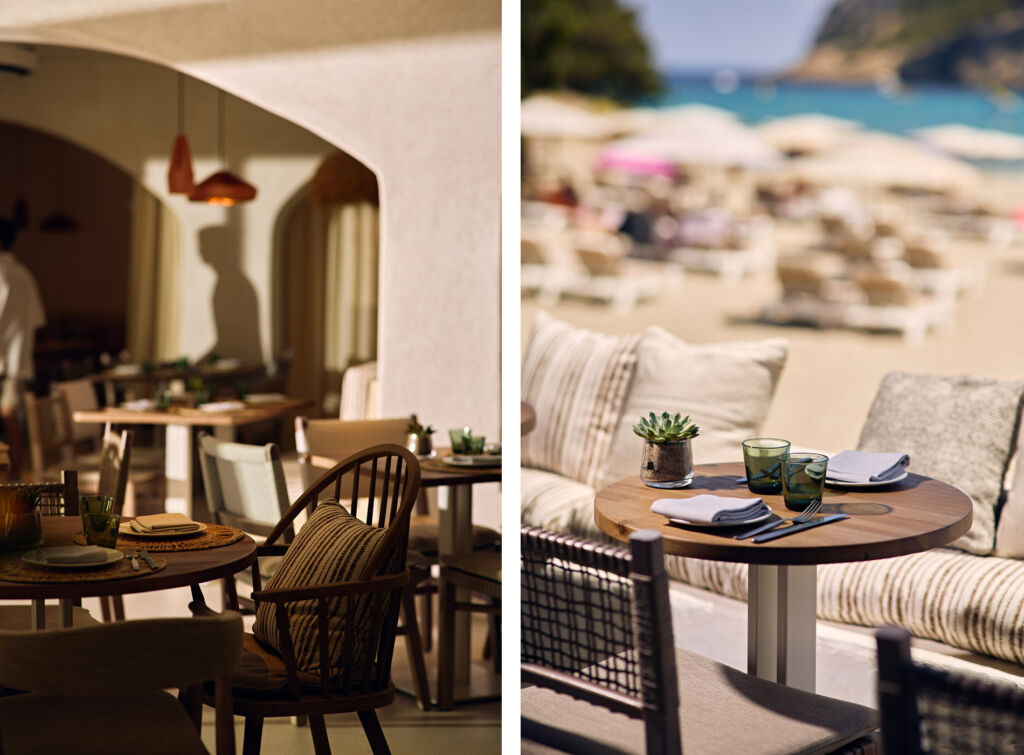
(183, 568)
(188, 416)
(911, 516)
(434, 473)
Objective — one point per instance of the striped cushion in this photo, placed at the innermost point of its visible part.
(577, 381)
(555, 503)
(332, 546)
(960, 430)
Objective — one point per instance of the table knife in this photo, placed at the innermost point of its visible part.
(797, 527)
(148, 559)
(135, 562)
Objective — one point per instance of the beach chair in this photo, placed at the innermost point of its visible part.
(814, 292)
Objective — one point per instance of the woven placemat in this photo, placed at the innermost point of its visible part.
(13, 569)
(214, 536)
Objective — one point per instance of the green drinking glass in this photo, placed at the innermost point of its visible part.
(101, 529)
(95, 504)
(803, 479)
(762, 459)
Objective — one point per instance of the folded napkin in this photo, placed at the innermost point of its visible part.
(222, 406)
(74, 554)
(153, 523)
(710, 509)
(866, 466)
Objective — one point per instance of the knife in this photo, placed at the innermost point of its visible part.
(148, 559)
(135, 561)
(797, 527)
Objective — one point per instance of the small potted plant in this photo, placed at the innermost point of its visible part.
(20, 525)
(418, 439)
(667, 460)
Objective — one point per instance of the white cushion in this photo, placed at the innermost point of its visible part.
(726, 388)
(556, 503)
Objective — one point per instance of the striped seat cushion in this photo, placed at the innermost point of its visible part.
(576, 380)
(332, 546)
(556, 503)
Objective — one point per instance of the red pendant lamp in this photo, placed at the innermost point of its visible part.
(223, 187)
(179, 176)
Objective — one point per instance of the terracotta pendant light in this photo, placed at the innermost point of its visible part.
(59, 221)
(223, 187)
(179, 176)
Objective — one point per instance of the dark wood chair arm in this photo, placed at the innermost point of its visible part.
(334, 589)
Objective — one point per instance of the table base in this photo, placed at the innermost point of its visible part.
(781, 624)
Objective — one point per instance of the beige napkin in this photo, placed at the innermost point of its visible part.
(74, 554)
(710, 509)
(153, 523)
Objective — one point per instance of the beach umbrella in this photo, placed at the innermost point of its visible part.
(882, 160)
(544, 117)
(807, 133)
(973, 143)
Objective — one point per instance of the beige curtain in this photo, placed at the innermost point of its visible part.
(330, 290)
(153, 294)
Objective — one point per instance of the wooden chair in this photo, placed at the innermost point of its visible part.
(596, 644)
(245, 488)
(927, 709)
(269, 683)
(479, 573)
(105, 685)
(321, 443)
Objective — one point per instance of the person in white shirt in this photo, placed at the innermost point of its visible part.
(21, 313)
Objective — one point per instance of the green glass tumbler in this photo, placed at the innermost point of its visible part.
(762, 459)
(803, 479)
(96, 504)
(101, 529)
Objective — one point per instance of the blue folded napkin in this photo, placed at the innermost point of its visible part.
(866, 466)
(710, 509)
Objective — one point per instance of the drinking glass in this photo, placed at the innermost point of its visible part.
(460, 439)
(101, 529)
(761, 457)
(803, 479)
(95, 504)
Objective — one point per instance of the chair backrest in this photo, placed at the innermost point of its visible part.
(360, 398)
(245, 485)
(50, 437)
(53, 498)
(927, 709)
(115, 465)
(596, 625)
(92, 659)
(81, 396)
(322, 443)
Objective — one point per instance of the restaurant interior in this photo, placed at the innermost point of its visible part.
(263, 242)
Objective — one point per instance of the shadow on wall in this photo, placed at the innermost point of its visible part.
(236, 316)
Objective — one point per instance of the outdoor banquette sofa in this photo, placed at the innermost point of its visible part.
(588, 388)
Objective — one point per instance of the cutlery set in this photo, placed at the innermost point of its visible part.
(144, 555)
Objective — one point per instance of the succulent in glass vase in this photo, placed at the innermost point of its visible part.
(20, 523)
(667, 460)
(418, 438)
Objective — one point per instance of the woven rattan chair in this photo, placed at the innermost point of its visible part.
(596, 644)
(268, 683)
(101, 688)
(929, 710)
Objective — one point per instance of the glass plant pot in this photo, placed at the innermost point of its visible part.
(667, 465)
(20, 530)
(421, 445)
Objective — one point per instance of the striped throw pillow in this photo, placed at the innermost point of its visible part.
(332, 546)
(576, 380)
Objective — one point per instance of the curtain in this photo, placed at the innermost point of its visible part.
(153, 303)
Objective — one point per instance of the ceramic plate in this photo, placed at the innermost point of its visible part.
(755, 520)
(476, 460)
(883, 483)
(126, 529)
(37, 558)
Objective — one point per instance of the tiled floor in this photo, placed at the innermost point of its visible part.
(471, 728)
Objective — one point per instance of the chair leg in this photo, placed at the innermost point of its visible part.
(426, 611)
(105, 613)
(446, 647)
(253, 734)
(118, 602)
(494, 637)
(191, 699)
(414, 649)
(230, 594)
(374, 734)
(318, 729)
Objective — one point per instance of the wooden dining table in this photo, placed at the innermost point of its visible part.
(184, 568)
(179, 446)
(910, 516)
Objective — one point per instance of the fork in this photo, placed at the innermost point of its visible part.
(135, 559)
(804, 516)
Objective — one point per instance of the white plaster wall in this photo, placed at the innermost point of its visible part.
(411, 88)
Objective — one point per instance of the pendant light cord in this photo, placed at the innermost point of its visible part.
(221, 150)
(181, 103)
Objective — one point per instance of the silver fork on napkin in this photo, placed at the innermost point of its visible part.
(803, 516)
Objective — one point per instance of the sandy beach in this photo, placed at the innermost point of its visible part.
(831, 376)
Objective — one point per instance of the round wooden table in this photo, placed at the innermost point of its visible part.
(183, 568)
(914, 515)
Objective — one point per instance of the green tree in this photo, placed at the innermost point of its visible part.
(588, 46)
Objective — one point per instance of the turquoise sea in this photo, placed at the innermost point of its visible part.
(909, 108)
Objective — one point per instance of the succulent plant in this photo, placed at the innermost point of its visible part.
(415, 428)
(666, 428)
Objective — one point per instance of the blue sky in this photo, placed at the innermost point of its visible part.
(749, 35)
